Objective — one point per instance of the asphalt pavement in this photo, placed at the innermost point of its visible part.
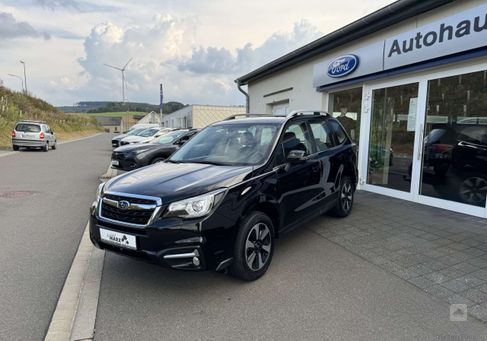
(44, 202)
(314, 290)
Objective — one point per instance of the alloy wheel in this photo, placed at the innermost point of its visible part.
(258, 246)
(473, 190)
(346, 196)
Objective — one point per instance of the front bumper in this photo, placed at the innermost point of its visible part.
(125, 162)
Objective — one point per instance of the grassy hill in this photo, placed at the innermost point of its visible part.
(16, 106)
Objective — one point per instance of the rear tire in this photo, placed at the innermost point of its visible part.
(14, 147)
(46, 147)
(54, 146)
(344, 203)
(254, 247)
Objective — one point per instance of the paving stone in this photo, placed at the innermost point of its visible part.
(471, 281)
(421, 282)
(456, 285)
(457, 299)
(437, 277)
(465, 267)
(479, 262)
(439, 291)
(475, 295)
(420, 269)
(479, 311)
(482, 274)
(482, 288)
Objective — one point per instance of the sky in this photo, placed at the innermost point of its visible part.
(196, 48)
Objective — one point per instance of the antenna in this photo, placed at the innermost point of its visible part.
(121, 69)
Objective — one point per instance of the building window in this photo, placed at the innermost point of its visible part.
(346, 106)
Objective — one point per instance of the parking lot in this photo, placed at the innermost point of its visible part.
(389, 271)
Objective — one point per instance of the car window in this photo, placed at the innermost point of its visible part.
(323, 139)
(230, 144)
(28, 127)
(296, 137)
(337, 129)
(148, 132)
(168, 138)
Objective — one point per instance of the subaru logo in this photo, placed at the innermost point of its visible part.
(123, 205)
(342, 66)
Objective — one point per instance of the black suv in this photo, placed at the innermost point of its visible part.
(138, 155)
(221, 199)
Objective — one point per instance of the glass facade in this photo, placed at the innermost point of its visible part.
(454, 164)
(346, 106)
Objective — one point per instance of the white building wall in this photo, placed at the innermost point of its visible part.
(204, 115)
(176, 119)
(300, 77)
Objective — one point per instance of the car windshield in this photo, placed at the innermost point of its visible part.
(136, 131)
(168, 138)
(230, 145)
(28, 128)
(148, 132)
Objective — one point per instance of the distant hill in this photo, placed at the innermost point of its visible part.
(16, 106)
(102, 107)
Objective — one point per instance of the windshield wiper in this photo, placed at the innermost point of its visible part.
(209, 162)
(172, 161)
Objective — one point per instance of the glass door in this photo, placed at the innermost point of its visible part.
(454, 160)
(392, 138)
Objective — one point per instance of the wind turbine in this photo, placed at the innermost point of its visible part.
(123, 76)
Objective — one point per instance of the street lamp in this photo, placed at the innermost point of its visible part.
(21, 80)
(25, 77)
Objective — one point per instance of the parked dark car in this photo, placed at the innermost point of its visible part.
(458, 154)
(116, 140)
(221, 200)
(138, 155)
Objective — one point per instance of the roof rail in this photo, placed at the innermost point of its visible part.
(296, 113)
(32, 121)
(232, 117)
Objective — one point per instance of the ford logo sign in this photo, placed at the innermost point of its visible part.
(342, 66)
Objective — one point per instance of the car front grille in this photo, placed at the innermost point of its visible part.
(139, 212)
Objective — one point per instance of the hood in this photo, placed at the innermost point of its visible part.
(134, 138)
(172, 182)
(130, 148)
(119, 137)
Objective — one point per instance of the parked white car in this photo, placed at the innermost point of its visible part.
(163, 131)
(141, 136)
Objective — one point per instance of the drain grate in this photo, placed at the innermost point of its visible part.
(16, 194)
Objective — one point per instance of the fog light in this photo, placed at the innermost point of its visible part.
(196, 261)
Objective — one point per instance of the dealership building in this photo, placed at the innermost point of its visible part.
(409, 84)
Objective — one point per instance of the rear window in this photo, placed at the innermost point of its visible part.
(28, 127)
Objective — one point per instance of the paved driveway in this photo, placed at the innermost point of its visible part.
(315, 289)
(441, 252)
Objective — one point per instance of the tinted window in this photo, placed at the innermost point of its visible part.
(28, 128)
(148, 132)
(296, 137)
(337, 129)
(323, 139)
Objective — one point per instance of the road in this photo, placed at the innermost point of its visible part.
(41, 228)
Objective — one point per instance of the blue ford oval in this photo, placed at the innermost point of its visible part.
(342, 66)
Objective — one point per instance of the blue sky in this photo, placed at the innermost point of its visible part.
(196, 48)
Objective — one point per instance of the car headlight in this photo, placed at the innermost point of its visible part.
(99, 192)
(197, 206)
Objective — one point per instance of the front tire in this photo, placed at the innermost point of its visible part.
(14, 147)
(345, 198)
(254, 247)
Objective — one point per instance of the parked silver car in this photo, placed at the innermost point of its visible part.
(33, 134)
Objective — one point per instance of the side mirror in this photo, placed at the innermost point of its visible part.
(295, 156)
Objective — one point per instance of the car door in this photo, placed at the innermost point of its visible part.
(298, 185)
(326, 148)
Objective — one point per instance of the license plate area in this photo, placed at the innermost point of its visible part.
(115, 163)
(121, 239)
